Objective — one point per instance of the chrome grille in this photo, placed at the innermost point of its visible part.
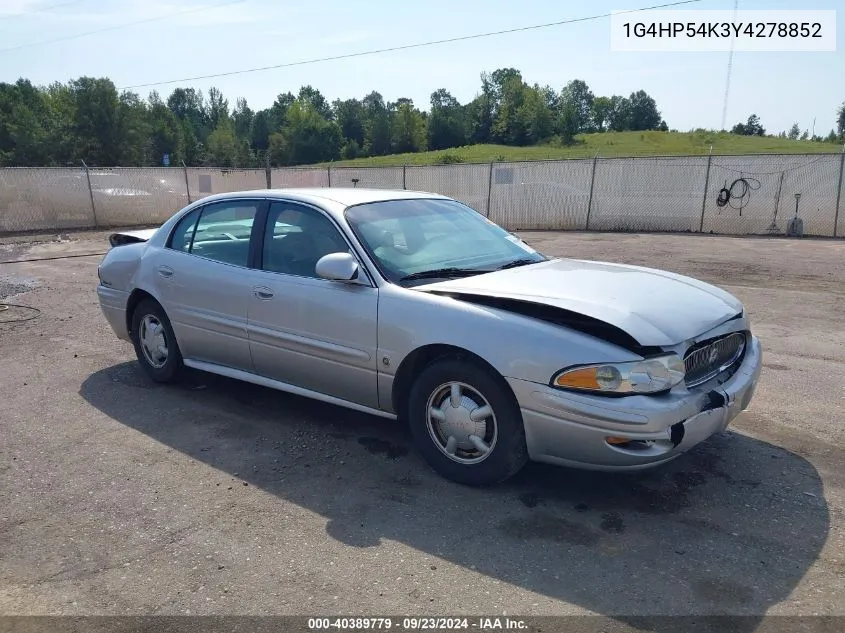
(709, 359)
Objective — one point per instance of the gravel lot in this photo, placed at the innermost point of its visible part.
(216, 497)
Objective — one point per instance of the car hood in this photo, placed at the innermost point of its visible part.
(654, 307)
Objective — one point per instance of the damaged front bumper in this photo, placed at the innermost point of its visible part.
(631, 432)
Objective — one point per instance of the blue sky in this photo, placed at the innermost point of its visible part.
(781, 88)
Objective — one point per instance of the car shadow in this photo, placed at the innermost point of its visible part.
(729, 528)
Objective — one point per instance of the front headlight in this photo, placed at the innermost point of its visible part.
(649, 375)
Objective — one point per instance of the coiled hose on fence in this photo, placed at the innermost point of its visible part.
(740, 189)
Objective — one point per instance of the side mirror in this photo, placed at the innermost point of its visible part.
(337, 267)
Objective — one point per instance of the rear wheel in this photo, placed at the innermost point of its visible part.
(466, 422)
(155, 345)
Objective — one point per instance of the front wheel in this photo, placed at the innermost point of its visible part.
(466, 422)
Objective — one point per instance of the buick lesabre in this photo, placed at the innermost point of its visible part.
(414, 306)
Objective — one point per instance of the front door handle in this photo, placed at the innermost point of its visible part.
(262, 292)
(165, 271)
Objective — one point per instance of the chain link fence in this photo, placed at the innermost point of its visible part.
(367, 177)
(468, 183)
(737, 195)
(653, 194)
(286, 177)
(769, 202)
(544, 195)
(33, 199)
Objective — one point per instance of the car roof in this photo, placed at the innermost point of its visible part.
(342, 196)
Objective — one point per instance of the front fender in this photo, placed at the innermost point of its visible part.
(516, 346)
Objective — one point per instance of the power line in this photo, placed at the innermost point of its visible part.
(42, 10)
(403, 47)
(121, 26)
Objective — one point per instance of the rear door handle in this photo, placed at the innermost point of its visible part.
(165, 271)
(262, 292)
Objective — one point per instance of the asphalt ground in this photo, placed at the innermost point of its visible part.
(119, 496)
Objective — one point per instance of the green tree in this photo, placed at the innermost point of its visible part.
(510, 126)
(578, 95)
(188, 105)
(279, 154)
(242, 116)
(217, 108)
(567, 123)
(261, 127)
(308, 137)
(376, 125)
(751, 127)
(279, 110)
(222, 147)
(134, 131)
(25, 130)
(643, 113)
(349, 114)
(194, 149)
(498, 80)
(314, 98)
(620, 113)
(600, 113)
(165, 133)
(408, 132)
(97, 121)
(535, 115)
(840, 121)
(446, 121)
(794, 132)
(61, 117)
(480, 112)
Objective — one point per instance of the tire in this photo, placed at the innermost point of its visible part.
(148, 313)
(462, 459)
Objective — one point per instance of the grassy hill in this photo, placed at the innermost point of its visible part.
(609, 144)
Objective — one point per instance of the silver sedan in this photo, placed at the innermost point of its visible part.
(413, 305)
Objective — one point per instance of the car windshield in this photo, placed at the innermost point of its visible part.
(433, 238)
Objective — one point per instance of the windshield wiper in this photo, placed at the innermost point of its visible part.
(525, 261)
(442, 273)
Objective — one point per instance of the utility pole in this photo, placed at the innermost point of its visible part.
(728, 78)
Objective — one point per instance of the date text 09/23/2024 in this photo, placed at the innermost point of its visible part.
(494, 623)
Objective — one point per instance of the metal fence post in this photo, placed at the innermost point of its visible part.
(187, 186)
(489, 189)
(91, 194)
(329, 171)
(777, 202)
(404, 170)
(706, 185)
(590, 200)
(839, 191)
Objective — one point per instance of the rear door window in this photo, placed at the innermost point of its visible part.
(223, 232)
